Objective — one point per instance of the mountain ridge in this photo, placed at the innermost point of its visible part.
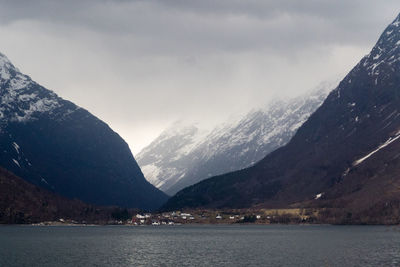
(358, 117)
(185, 154)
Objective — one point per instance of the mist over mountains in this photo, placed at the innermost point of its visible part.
(185, 154)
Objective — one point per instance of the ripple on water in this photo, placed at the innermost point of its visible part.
(276, 245)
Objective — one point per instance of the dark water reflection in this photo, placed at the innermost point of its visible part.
(277, 245)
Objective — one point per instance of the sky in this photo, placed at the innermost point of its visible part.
(140, 65)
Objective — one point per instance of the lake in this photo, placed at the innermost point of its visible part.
(211, 245)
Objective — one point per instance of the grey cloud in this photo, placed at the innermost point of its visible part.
(228, 25)
(141, 64)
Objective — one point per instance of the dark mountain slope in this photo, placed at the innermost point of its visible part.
(53, 143)
(22, 202)
(360, 115)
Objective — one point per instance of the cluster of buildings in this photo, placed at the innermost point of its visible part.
(177, 217)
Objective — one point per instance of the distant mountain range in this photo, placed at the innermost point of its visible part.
(346, 155)
(57, 145)
(184, 154)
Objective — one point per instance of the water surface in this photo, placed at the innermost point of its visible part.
(238, 245)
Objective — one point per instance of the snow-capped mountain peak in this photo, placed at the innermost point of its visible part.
(385, 52)
(6, 68)
(10, 74)
(185, 154)
(21, 98)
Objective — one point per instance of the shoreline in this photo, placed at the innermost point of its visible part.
(57, 224)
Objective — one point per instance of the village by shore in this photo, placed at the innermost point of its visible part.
(272, 216)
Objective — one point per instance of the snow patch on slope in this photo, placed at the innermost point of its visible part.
(16, 162)
(318, 196)
(16, 147)
(151, 170)
(388, 142)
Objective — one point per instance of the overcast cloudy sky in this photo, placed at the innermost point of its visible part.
(140, 65)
